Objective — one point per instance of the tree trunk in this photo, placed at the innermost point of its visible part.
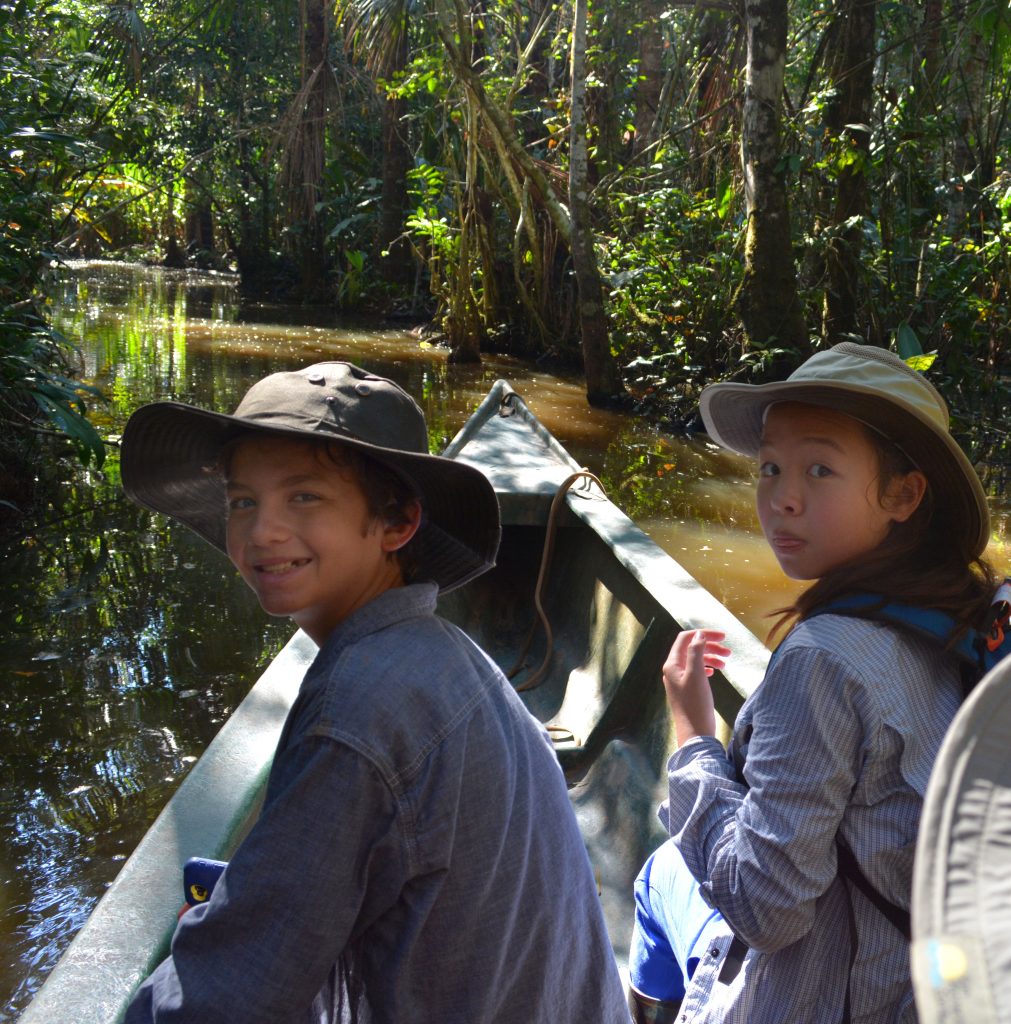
(720, 59)
(463, 322)
(312, 257)
(603, 380)
(303, 142)
(498, 123)
(199, 223)
(396, 265)
(650, 78)
(930, 46)
(972, 162)
(767, 298)
(174, 256)
(847, 120)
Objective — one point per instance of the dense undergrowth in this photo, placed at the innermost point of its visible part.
(184, 133)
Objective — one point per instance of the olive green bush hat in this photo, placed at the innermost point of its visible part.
(170, 452)
(879, 389)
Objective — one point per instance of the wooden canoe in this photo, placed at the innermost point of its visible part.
(613, 602)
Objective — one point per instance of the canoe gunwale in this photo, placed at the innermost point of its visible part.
(129, 931)
(674, 590)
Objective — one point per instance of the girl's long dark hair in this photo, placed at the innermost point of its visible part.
(926, 561)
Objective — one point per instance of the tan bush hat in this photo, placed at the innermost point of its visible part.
(876, 387)
(961, 897)
(169, 451)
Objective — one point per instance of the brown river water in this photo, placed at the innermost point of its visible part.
(125, 642)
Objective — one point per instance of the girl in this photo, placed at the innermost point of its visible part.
(750, 913)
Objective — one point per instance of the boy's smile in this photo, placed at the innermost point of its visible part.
(818, 497)
(300, 533)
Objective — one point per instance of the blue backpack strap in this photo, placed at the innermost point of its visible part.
(927, 622)
(978, 650)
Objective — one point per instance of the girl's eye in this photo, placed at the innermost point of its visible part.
(237, 504)
(304, 497)
(819, 470)
(768, 469)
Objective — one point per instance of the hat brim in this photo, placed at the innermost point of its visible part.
(733, 417)
(961, 896)
(169, 458)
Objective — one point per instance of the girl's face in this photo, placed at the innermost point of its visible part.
(819, 493)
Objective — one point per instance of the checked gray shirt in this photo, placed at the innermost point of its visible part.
(839, 737)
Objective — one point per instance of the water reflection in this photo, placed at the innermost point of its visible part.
(127, 641)
(112, 686)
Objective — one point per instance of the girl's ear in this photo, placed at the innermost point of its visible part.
(905, 493)
(396, 535)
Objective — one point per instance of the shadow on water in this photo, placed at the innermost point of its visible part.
(127, 642)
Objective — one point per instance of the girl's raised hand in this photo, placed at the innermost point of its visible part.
(696, 654)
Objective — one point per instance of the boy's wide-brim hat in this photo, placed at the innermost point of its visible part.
(879, 389)
(170, 460)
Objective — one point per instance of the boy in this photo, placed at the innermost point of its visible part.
(416, 858)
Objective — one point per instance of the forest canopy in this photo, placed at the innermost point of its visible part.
(665, 193)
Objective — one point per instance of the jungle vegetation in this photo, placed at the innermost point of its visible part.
(662, 192)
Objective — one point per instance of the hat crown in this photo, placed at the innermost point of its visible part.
(337, 400)
(880, 390)
(875, 370)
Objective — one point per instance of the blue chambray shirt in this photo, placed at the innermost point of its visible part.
(840, 736)
(416, 814)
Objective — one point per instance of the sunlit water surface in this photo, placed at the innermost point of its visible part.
(125, 642)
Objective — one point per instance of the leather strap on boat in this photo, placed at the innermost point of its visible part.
(549, 546)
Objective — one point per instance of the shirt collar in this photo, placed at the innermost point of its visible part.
(392, 606)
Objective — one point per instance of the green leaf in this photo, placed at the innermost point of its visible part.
(921, 363)
(86, 439)
(907, 343)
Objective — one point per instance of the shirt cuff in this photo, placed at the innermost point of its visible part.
(703, 795)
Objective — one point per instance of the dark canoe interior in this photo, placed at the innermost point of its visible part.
(602, 692)
(614, 602)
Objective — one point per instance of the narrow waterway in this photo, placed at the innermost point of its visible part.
(125, 642)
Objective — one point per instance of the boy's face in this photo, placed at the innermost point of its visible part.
(300, 534)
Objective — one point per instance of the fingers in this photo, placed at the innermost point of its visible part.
(690, 645)
(696, 654)
(707, 652)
